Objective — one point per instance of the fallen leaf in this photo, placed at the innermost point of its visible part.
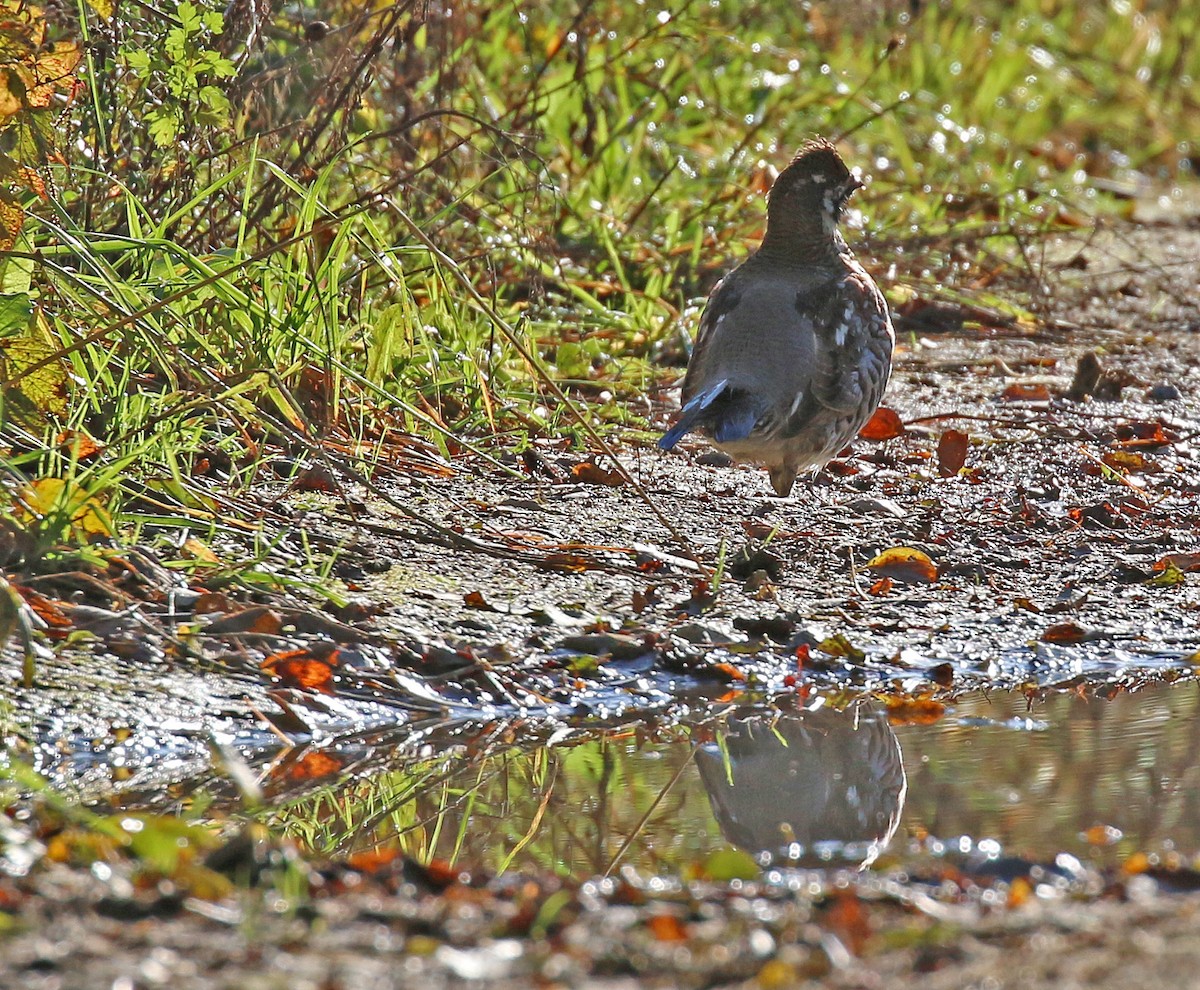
(316, 479)
(880, 587)
(847, 919)
(905, 564)
(942, 675)
(728, 864)
(77, 445)
(884, 424)
(373, 860)
(1141, 434)
(839, 646)
(213, 601)
(1130, 460)
(475, 599)
(1020, 892)
(314, 765)
(1137, 863)
(914, 711)
(1066, 632)
(1102, 835)
(257, 619)
(1019, 392)
(667, 928)
(299, 668)
(952, 452)
(1169, 577)
(63, 504)
(1186, 562)
(591, 473)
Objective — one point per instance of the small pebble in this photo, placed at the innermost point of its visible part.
(1165, 392)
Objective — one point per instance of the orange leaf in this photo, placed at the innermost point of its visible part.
(905, 564)
(1185, 562)
(1020, 891)
(914, 711)
(952, 452)
(313, 766)
(591, 473)
(79, 445)
(298, 668)
(885, 424)
(1102, 835)
(373, 860)
(1065, 632)
(730, 671)
(667, 928)
(1018, 392)
(881, 587)
(847, 918)
(1141, 433)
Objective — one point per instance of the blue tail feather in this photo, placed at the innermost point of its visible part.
(729, 414)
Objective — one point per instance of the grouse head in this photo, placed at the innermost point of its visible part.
(806, 201)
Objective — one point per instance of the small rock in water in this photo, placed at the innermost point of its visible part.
(1165, 392)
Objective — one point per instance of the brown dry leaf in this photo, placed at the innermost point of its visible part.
(881, 587)
(12, 219)
(373, 860)
(1018, 392)
(1065, 632)
(475, 599)
(914, 711)
(905, 564)
(313, 766)
(885, 424)
(591, 473)
(316, 479)
(667, 928)
(952, 452)
(573, 563)
(1020, 892)
(729, 670)
(299, 668)
(213, 601)
(1142, 434)
(942, 675)
(77, 445)
(1130, 460)
(257, 619)
(847, 918)
(48, 610)
(1186, 562)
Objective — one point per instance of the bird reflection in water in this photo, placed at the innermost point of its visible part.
(808, 787)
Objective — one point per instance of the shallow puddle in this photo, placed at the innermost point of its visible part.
(995, 777)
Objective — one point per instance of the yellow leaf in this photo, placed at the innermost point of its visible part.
(905, 564)
(47, 387)
(62, 503)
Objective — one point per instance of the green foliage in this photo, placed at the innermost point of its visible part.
(177, 79)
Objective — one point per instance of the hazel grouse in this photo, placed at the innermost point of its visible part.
(795, 344)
